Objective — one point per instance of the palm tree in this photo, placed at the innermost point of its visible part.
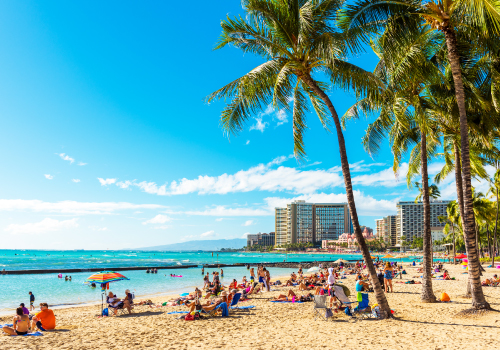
(297, 39)
(403, 117)
(494, 190)
(453, 18)
(434, 192)
(452, 220)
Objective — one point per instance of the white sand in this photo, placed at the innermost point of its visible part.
(283, 326)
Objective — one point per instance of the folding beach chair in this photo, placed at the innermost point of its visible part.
(234, 304)
(363, 309)
(319, 307)
(212, 313)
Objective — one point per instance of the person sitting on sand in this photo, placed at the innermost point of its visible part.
(25, 309)
(20, 322)
(291, 296)
(446, 275)
(45, 319)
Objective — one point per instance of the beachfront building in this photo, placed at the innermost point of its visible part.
(387, 230)
(261, 239)
(311, 222)
(280, 224)
(348, 240)
(410, 218)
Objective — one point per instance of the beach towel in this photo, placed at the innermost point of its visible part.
(224, 308)
(285, 301)
(244, 307)
(33, 334)
(177, 312)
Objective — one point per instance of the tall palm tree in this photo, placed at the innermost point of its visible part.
(452, 220)
(494, 191)
(298, 41)
(453, 18)
(405, 74)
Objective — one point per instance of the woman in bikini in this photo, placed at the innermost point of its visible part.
(20, 324)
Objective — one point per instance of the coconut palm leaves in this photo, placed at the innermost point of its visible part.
(299, 42)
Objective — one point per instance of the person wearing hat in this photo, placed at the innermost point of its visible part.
(25, 309)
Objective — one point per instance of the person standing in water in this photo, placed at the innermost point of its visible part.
(221, 273)
(32, 301)
(203, 270)
(252, 275)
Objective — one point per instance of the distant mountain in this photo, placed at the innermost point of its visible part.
(207, 245)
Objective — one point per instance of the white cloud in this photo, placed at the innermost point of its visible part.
(209, 234)
(259, 125)
(66, 157)
(105, 182)
(76, 180)
(221, 210)
(82, 163)
(46, 225)
(162, 227)
(248, 223)
(158, 219)
(97, 228)
(48, 176)
(219, 219)
(124, 184)
(274, 177)
(245, 235)
(72, 207)
(282, 117)
(248, 142)
(366, 205)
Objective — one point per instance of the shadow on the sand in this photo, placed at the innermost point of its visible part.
(140, 314)
(57, 330)
(448, 324)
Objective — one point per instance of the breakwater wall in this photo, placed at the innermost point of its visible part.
(303, 264)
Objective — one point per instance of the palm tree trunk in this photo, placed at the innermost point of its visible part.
(495, 235)
(489, 240)
(478, 299)
(377, 288)
(458, 181)
(454, 242)
(427, 295)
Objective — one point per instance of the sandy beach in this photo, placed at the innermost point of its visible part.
(283, 326)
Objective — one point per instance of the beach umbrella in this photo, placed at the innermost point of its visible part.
(341, 260)
(461, 256)
(103, 278)
(388, 256)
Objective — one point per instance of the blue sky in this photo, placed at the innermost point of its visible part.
(106, 141)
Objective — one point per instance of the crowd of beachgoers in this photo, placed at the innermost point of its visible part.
(341, 287)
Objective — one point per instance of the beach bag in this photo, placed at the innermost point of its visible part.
(105, 312)
(328, 313)
(445, 297)
(189, 317)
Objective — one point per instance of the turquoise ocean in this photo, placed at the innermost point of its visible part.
(60, 293)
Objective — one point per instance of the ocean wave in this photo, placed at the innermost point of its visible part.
(187, 260)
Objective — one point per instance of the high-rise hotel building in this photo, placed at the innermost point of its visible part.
(410, 218)
(302, 222)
